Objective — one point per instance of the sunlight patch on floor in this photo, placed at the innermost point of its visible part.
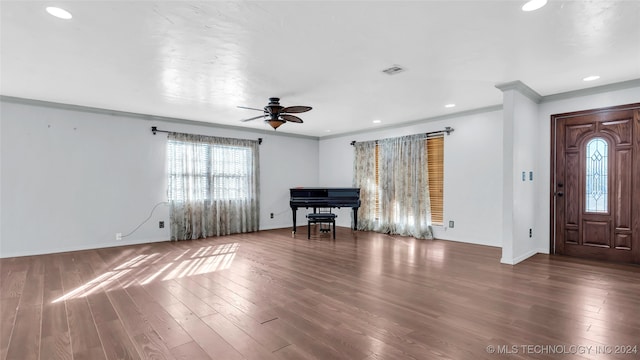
(144, 269)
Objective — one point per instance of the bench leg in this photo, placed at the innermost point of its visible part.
(334, 229)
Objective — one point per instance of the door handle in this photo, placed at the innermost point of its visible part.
(559, 193)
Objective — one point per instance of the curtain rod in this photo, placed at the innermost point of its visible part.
(448, 130)
(154, 130)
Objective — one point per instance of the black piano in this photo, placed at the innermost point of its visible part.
(308, 197)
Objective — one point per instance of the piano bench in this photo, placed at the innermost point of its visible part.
(321, 218)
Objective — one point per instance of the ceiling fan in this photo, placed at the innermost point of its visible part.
(275, 114)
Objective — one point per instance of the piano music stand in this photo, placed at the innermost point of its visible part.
(321, 218)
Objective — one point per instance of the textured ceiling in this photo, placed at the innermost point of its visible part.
(200, 60)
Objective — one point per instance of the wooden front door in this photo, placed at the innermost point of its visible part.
(596, 184)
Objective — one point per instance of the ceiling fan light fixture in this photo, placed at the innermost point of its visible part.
(275, 114)
(275, 123)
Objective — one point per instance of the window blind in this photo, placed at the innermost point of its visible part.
(435, 166)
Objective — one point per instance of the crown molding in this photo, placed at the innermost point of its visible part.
(521, 88)
(416, 122)
(592, 90)
(166, 119)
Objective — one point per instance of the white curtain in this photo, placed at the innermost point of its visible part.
(403, 205)
(213, 186)
(364, 170)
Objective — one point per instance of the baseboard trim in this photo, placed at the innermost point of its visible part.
(64, 249)
(520, 258)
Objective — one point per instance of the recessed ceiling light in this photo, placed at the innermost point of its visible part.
(450, 105)
(328, 130)
(377, 121)
(591, 78)
(534, 5)
(59, 13)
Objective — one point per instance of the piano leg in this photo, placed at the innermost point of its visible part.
(294, 211)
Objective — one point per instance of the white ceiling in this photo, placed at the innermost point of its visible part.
(200, 60)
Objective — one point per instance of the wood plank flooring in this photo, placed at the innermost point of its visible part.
(267, 295)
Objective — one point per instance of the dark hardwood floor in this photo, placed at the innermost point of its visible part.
(267, 295)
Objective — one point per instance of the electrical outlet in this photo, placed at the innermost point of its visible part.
(118, 236)
(530, 232)
(161, 224)
(272, 215)
(451, 223)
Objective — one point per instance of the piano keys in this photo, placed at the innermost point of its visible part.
(310, 197)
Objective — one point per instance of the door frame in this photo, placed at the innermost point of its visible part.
(552, 177)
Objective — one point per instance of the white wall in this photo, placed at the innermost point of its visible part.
(73, 178)
(520, 116)
(558, 105)
(525, 158)
(472, 171)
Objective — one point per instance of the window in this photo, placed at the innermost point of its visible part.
(435, 168)
(435, 165)
(597, 184)
(213, 185)
(208, 172)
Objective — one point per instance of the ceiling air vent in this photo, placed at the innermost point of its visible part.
(393, 70)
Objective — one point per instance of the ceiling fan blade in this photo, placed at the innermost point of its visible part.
(253, 118)
(291, 118)
(249, 108)
(296, 109)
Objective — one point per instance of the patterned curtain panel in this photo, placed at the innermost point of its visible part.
(394, 186)
(213, 186)
(404, 181)
(364, 170)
